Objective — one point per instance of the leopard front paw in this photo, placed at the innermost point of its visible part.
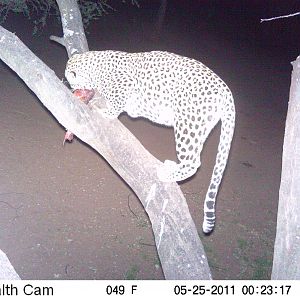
(172, 172)
(166, 172)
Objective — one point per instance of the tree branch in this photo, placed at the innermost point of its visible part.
(58, 40)
(280, 17)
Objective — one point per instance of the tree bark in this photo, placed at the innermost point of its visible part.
(7, 271)
(74, 39)
(179, 248)
(286, 263)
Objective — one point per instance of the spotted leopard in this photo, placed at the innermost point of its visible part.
(170, 90)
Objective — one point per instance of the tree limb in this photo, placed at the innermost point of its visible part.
(58, 40)
(279, 17)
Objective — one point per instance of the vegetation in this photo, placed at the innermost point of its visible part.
(39, 10)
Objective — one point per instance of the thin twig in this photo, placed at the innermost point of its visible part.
(130, 207)
(279, 17)
(14, 208)
(58, 40)
(146, 244)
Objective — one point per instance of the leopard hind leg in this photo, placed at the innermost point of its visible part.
(190, 135)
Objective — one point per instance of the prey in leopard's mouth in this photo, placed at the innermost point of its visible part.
(84, 95)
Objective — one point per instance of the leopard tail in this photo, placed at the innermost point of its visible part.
(227, 131)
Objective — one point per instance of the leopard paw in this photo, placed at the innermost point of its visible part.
(166, 171)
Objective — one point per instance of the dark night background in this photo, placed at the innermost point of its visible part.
(53, 225)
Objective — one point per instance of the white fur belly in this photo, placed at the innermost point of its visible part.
(137, 107)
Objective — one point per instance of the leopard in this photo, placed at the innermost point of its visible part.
(170, 90)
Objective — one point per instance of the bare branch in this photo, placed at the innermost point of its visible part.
(280, 17)
(58, 40)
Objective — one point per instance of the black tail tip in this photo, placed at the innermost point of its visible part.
(207, 229)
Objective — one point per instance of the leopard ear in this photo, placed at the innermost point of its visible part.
(73, 74)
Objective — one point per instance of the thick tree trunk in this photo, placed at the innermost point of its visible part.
(74, 39)
(180, 250)
(286, 263)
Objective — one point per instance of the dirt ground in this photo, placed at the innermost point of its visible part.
(65, 214)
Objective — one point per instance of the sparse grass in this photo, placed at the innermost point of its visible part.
(132, 273)
(242, 244)
(145, 256)
(214, 266)
(117, 239)
(261, 268)
(208, 249)
(143, 222)
(151, 258)
(257, 269)
(156, 262)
